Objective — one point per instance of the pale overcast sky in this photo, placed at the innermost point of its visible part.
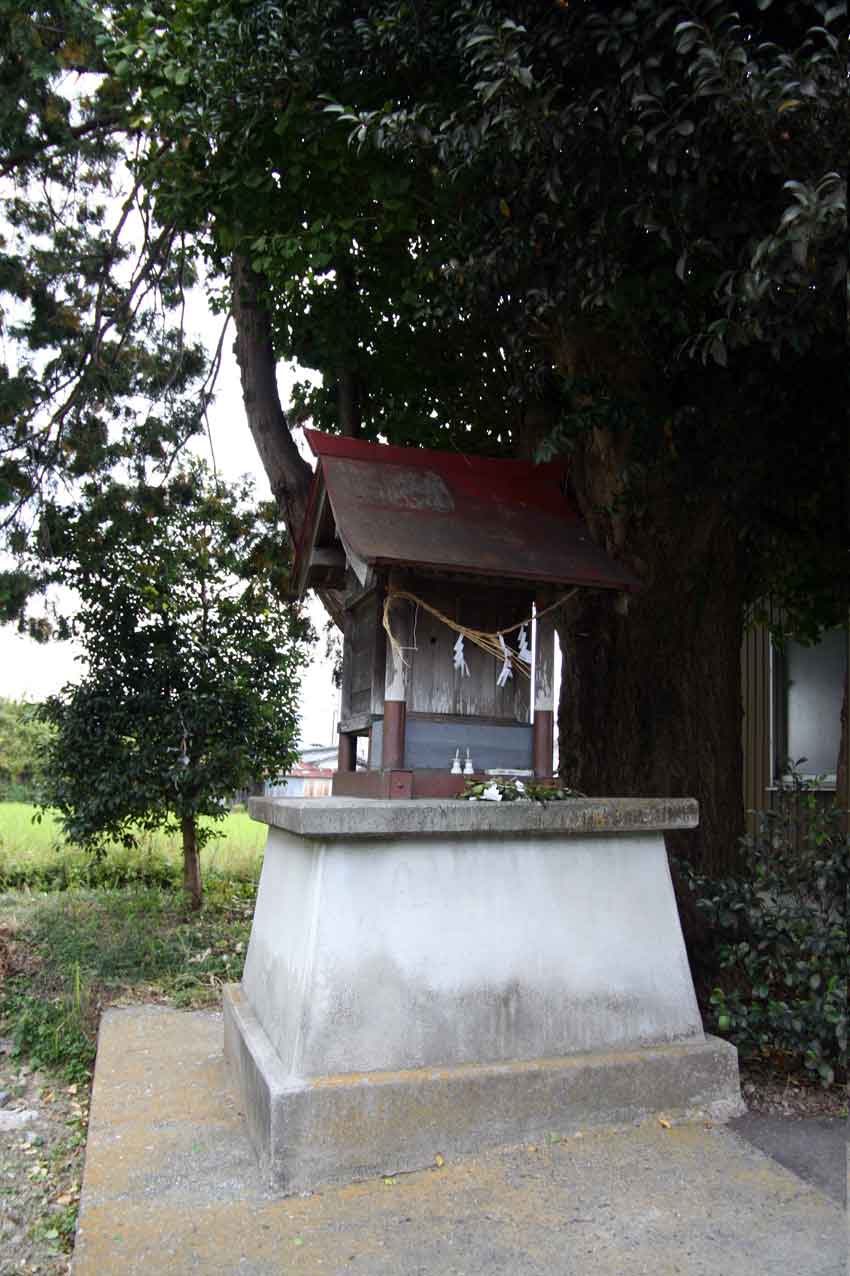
(31, 671)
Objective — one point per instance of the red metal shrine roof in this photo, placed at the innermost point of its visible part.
(443, 511)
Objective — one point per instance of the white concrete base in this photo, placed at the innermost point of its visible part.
(460, 941)
(412, 951)
(337, 1129)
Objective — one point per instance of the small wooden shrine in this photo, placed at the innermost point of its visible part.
(505, 968)
(447, 564)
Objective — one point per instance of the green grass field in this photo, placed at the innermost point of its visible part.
(36, 854)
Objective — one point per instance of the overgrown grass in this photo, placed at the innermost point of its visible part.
(72, 953)
(78, 933)
(36, 855)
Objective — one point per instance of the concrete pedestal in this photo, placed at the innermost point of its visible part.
(437, 976)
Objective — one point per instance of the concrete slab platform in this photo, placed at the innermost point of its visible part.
(317, 1131)
(171, 1187)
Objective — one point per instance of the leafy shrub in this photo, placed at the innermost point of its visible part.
(15, 791)
(68, 871)
(23, 740)
(778, 938)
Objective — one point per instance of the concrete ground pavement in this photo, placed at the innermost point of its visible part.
(171, 1187)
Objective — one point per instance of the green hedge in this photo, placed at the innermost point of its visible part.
(777, 942)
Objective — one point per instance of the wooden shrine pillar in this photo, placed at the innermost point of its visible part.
(395, 686)
(543, 735)
(347, 753)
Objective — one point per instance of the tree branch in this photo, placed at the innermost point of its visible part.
(113, 123)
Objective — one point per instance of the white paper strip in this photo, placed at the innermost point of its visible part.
(459, 658)
(506, 671)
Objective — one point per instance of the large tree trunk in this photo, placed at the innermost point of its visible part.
(349, 390)
(651, 698)
(842, 777)
(289, 474)
(191, 863)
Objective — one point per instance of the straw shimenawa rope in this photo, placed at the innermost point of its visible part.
(488, 642)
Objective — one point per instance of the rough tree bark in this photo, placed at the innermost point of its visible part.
(191, 863)
(348, 402)
(289, 474)
(842, 777)
(348, 387)
(651, 699)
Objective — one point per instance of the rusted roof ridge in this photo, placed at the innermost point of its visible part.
(349, 449)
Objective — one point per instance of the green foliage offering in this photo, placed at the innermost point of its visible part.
(513, 789)
(23, 739)
(779, 935)
(193, 662)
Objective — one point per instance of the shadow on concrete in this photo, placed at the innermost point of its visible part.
(815, 1148)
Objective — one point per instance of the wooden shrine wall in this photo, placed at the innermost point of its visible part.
(435, 686)
(363, 658)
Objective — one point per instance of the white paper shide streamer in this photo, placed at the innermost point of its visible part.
(459, 658)
(505, 672)
(524, 651)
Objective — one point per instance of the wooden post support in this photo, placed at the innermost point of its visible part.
(395, 687)
(347, 755)
(347, 665)
(395, 717)
(543, 736)
(543, 742)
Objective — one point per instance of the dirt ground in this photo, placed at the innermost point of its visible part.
(767, 1093)
(42, 1144)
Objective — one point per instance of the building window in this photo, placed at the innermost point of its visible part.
(808, 690)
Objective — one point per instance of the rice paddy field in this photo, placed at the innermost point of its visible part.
(35, 855)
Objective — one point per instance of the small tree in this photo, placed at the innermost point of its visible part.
(23, 738)
(193, 661)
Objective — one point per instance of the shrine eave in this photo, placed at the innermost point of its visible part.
(376, 506)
